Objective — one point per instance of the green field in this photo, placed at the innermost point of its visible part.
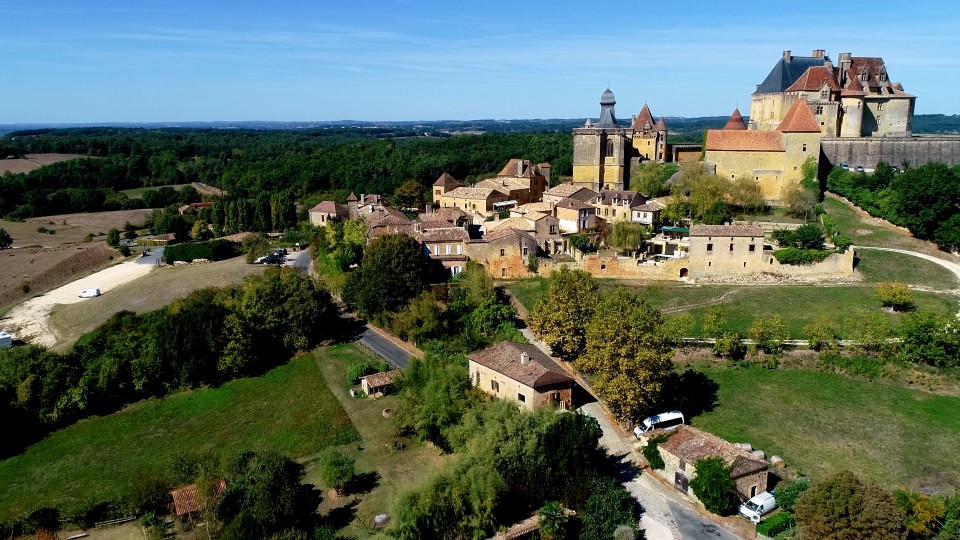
(821, 423)
(137, 193)
(289, 410)
(879, 266)
(799, 305)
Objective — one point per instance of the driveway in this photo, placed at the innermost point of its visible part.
(29, 321)
(951, 266)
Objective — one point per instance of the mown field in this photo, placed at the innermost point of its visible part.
(798, 305)
(822, 423)
(137, 193)
(153, 291)
(289, 409)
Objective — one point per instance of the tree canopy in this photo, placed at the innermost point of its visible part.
(560, 317)
(393, 271)
(843, 506)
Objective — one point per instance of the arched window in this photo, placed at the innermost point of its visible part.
(609, 151)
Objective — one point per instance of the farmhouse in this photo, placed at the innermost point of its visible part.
(504, 252)
(728, 250)
(686, 445)
(523, 374)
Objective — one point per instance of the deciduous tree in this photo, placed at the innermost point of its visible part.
(5, 239)
(713, 485)
(842, 506)
(561, 315)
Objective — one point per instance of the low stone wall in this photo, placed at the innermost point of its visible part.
(836, 265)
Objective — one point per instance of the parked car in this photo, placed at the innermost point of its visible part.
(90, 293)
(844, 166)
(6, 340)
(280, 251)
(860, 168)
(758, 506)
(273, 259)
(667, 420)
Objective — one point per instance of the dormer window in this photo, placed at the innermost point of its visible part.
(824, 93)
(864, 76)
(882, 76)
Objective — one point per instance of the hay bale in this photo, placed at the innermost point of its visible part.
(744, 446)
(759, 454)
(777, 462)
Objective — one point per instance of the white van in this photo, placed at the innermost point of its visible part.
(89, 293)
(667, 420)
(758, 506)
(6, 340)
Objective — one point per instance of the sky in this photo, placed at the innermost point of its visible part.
(312, 60)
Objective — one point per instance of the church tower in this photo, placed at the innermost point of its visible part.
(601, 151)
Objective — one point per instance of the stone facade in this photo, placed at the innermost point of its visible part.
(727, 250)
(504, 252)
(472, 200)
(918, 150)
(521, 373)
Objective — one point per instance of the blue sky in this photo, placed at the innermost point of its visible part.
(175, 60)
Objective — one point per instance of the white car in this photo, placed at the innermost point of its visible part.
(89, 293)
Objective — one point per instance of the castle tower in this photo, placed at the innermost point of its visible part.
(601, 150)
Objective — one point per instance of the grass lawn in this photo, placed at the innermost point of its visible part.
(137, 193)
(822, 423)
(395, 471)
(799, 305)
(150, 292)
(879, 266)
(289, 410)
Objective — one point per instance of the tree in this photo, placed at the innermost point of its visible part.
(822, 335)
(553, 521)
(5, 239)
(869, 333)
(199, 231)
(336, 470)
(627, 237)
(896, 296)
(747, 194)
(393, 271)
(408, 195)
(768, 334)
(561, 314)
(629, 352)
(113, 238)
(923, 515)
(808, 236)
(800, 201)
(929, 338)
(788, 491)
(842, 506)
(608, 507)
(713, 485)
(676, 211)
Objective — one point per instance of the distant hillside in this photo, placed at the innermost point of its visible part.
(936, 123)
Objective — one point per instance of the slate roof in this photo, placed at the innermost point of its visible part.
(744, 141)
(185, 499)
(446, 180)
(799, 119)
(690, 444)
(727, 230)
(608, 118)
(607, 196)
(736, 121)
(785, 73)
(504, 358)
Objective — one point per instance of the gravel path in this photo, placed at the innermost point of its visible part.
(30, 320)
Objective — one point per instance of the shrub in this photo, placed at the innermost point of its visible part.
(822, 335)
(652, 454)
(124, 250)
(797, 256)
(786, 493)
(25, 287)
(364, 367)
(776, 524)
(214, 250)
(896, 295)
(5, 239)
(113, 238)
(729, 345)
(767, 334)
(841, 243)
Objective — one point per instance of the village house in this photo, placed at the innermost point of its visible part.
(536, 178)
(574, 216)
(617, 205)
(718, 250)
(447, 245)
(521, 373)
(544, 227)
(568, 190)
(445, 183)
(648, 213)
(505, 252)
(328, 211)
(382, 220)
(686, 445)
(515, 189)
(473, 200)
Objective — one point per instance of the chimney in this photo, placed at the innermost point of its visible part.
(818, 53)
(519, 167)
(786, 55)
(545, 171)
(524, 359)
(363, 199)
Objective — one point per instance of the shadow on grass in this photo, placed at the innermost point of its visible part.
(340, 517)
(691, 392)
(364, 483)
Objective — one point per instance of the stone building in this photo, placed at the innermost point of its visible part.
(574, 216)
(568, 190)
(523, 374)
(504, 252)
(852, 98)
(536, 178)
(617, 205)
(686, 445)
(774, 158)
(328, 211)
(445, 183)
(718, 250)
(473, 200)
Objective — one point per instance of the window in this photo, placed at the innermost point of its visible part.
(495, 386)
(503, 272)
(771, 261)
(521, 398)
(524, 251)
(598, 211)
(824, 94)
(609, 152)
(753, 247)
(614, 212)
(436, 249)
(553, 229)
(880, 106)
(731, 247)
(459, 249)
(744, 264)
(709, 248)
(709, 263)
(449, 249)
(503, 252)
(804, 147)
(819, 109)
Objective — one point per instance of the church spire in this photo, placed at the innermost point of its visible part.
(608, 118)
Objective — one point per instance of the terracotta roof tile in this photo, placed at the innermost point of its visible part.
(518, 168)
(504, 358)
(329, 207)
(448, 234)
(506, 232)
(727, 230)
(661, 125)
(813, 80)
(519, 223)
(446, 180)
(471, 193)
(643, 119)
(744, 141)
(691, 445)
(799, 119)
(736, 121)
(382, 379)
(352, 197)
(185, 499)
(535, 207)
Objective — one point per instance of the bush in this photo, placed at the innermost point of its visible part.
(776, 524)
(364, 367)
(841, 243)
(786, 493)
(797, 256)
(768, 334)
(124, 250)
(896, 296)
(652, 454)
(214, 250)
(713, 485)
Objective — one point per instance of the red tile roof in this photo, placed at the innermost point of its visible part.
(744, 141)
(661, 125)
(185, 499)
(735, 122)
(518, 168)
(504, 358)
(799, 119)
(446, 180)
(691, 445)
(644, 118)
(352, 197)
(813, 80)
(382, 379)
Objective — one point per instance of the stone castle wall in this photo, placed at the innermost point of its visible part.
(918, 150)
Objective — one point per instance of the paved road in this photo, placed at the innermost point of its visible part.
(692, 525)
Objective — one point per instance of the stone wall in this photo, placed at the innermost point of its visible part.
(505, 388)
(918, 150)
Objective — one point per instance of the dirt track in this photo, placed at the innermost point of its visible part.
(29, 321)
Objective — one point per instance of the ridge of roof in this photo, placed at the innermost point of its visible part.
(643, 118)
(799, 119)
(447, 180)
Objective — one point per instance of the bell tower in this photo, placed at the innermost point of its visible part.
(600, 150)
